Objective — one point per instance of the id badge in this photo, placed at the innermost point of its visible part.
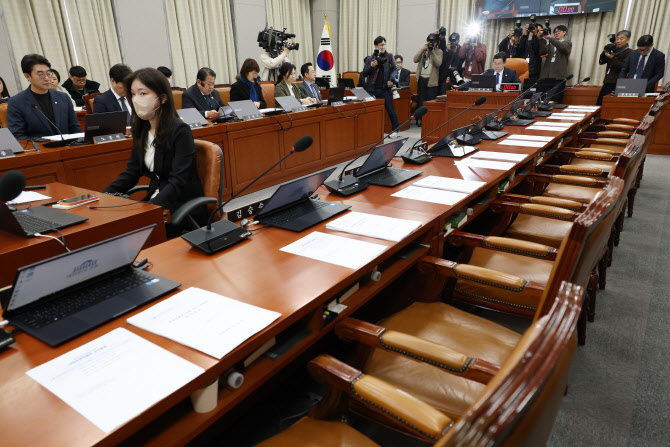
(470, 69)
(553, 59)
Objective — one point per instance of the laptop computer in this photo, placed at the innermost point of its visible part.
(376, 170)
(630, 87)
(447, 147)
(291, 208)
(346, 82)
(291, 103)
(335, 95)
(98, 124)
(8, 142)
(245, 109)
(483, 83)
(36, 219)
(57, 299)
(192, 117)
(361, 94)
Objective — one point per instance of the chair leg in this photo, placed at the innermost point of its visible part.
(581, 322)
(602, 271)
(631, 201)
(591, 290)
(618, 225)
(610, 247)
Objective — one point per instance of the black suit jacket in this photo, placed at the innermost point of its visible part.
(508, 75)
(78, 96)
(175, 171)
(403, 79)
(653, 69)
(193, 99)
(240, 91)
(107, 103)
(26, 122)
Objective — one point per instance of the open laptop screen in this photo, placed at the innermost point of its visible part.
(380, 157)
(295, 191)
(36, 281)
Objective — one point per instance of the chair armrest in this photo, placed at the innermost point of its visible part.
(541, 200)
(137, 188)
(571, 169)
(381, 397)
(627, 121)
(183, 211)
(610, 141)
(417, 349)
(595, 155)
(534, 209)
(510, 245)
(567, 179)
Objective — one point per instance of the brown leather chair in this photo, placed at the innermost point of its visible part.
(224, 92)
(176, 96)
(268, 90)
(414, 89)
(532, 381)
(351, 75)
(519, 65)
(3, 115)
(88, 101)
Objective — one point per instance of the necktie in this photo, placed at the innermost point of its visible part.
(125, 109)
(497, 79)
(316, 95)
(209, 104)
(640, 68)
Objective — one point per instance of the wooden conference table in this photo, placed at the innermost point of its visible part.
(258, 273)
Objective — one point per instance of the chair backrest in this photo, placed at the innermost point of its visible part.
(520, 404)
(3, 115)
(519, 65)
(209, 162)
(268, 90)
(224, 92)
(351, 75)
(413, 84)
(88, 101)
(176, 96)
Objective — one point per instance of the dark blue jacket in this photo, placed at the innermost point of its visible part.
(192, 98)
(107, 103)
(653, 69)
(367, 75)
(27, 123)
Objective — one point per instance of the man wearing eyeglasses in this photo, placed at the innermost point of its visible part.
(78, 86)
(38, 110)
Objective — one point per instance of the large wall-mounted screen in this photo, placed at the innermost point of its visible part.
(496, 9)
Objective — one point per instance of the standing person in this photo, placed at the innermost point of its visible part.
(377, 79)
(116, 98)
(451, 62)
(163, 147)
(557, 49)
(614, 58)
(286, 86)
(271, 64)
(534, 33)
(78, 86)
(645, 63)
(202, 96)
(30, 113)
(514, 45)
(247, 88)
(429, 60)
(55, 85)
(474, 54)
(308, 85)
(402, 78)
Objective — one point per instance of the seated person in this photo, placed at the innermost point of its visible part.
(55, 85)
(202, 96)
(115, 99)
(167, 72)
(402, 78)
(308, 85)
(78, 86)
(163, 147)
(503, 74)
(4, 93)
(286, 86)
(247, 87)
(30, 113)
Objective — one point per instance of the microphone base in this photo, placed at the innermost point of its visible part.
(559, 106)
(526, 115)
(222, 235)
(348, 186)
(545, 107)
(468, 140)
(416, 158)
(495, 126)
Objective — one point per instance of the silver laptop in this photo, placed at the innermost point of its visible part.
(192, 117)
(361, 94)
(8, 142)
(290, 103)
(246, 109)
(630, 87)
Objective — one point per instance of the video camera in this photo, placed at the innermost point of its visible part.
(610, 47)
(274, 41)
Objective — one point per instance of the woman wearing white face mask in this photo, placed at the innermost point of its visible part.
(163, 147)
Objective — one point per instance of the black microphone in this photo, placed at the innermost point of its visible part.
(53, 143)
(495, 123)
(348, 185)
(12, 185)
(421, 158)
(216, 236)
(586, 79)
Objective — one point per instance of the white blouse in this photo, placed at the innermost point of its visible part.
(149, 154)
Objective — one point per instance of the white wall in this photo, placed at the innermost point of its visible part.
(143, 34)
(249, 20)
(416, 19)
(7, 68)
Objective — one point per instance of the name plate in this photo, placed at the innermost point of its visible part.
(108, 138)
(5, 153)
(255, 116)
(337, 103)
(479, 89)
(511, 87)
(624, 95)
(369, 98)
(299, 109)
(194, 125)
(246, 211)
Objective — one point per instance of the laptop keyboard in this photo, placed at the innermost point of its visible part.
(32, 224)
(82, 299)
(384, 174)
(295, 212)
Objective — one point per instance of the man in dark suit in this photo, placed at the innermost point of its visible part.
(78, 86)
(402, 78)
(645, 63)
(308, 81)
(115, 99)
(202, 96)
(26, 111)
(503, 74)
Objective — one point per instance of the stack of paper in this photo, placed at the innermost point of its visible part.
(28, 196)
(501, 156)
(587, 109)
(206, 321)
(486, 164)
(430, 195)
(566, 116)
(67, 136)
(114, 378)
(551, 127)
(526, 140)
(450, 184)
(370, 225)
(336, 250)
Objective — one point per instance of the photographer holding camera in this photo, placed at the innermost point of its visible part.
(514, 45)
(277, 48)
(534, 33)
(614, 55)
(558, 49)
(450, 62)
(377, 78)
(429, 59)
(474, 53)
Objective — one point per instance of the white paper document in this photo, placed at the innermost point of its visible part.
(566, 116)
(206, 321)
(114, 378)
(500, 156)
(487, 164)
(371, 225)
(336, 250)
(28, 196)
(269, 109)
(552, 124)
(529, 137)
(67, 136)
(588, 109)
(509, 142)
(430, 195)
(449, 184)
(548, 128)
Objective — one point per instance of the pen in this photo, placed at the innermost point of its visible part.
(49, 203)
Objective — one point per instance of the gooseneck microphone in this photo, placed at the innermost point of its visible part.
(544, 103)
(216, 236)
(586, 79)
(495, 123)
(422, 157)
(349, 184)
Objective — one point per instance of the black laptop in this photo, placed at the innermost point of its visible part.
(57, 299)
(447, 147)
(376, 169)
(630, 87)
(346, 82)
(335, 95)
(8, 142)
(36, 219)
(291, 207)
(483, 83)
(98, 124)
